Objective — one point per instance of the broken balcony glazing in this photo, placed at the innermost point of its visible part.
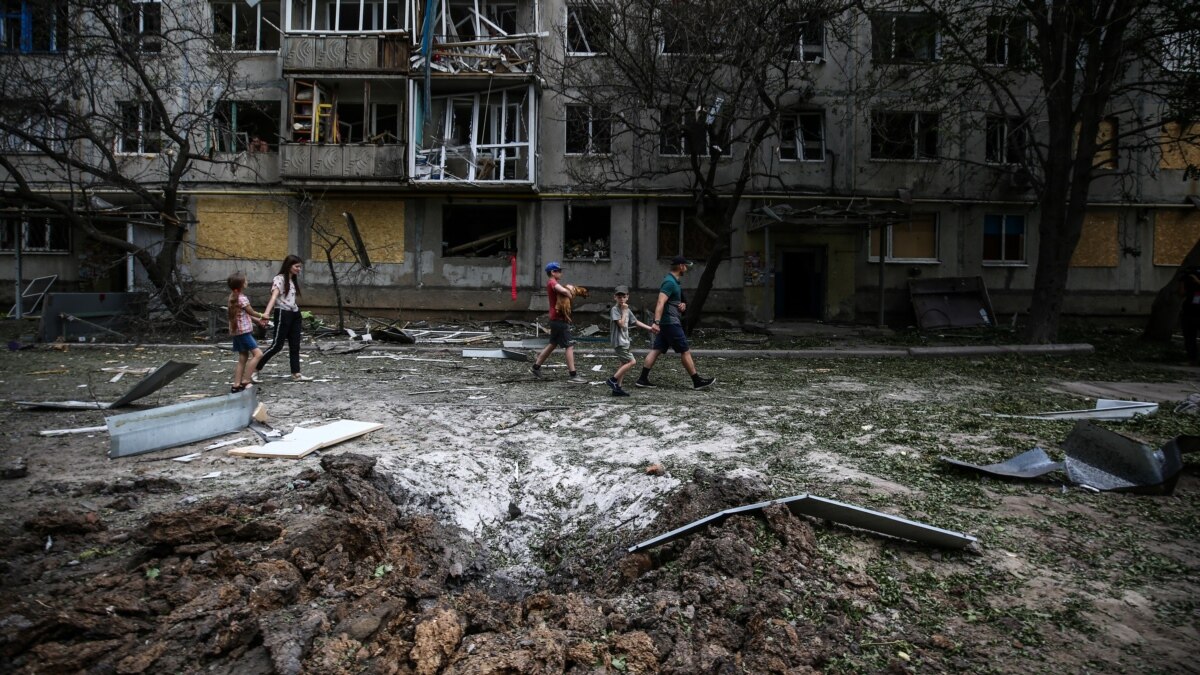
(475, 136)
(476, 36)
(344, 128)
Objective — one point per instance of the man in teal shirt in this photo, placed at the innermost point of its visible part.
(668, 327)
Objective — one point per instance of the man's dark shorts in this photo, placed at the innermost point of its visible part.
(670, 336)
(560, 334)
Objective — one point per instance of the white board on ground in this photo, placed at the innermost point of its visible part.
(302, 442)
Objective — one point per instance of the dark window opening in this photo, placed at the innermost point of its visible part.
(141, 23)
(141, 129)
(680, 233)
(1004, 141)
(479, 231)
(586, 232)
(33, 26)
(42, 234)
(803, 137)
(586, 28)
(902, 135)
(246, 125)
(904, 38)
(1003, 239)
(589, 130)
(1007, 41)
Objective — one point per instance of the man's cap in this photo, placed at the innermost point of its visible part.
(621, 290)
(680, 260)
(553, 267)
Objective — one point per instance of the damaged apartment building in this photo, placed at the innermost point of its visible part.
(433, 124)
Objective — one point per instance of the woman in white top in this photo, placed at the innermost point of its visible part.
(285, 288)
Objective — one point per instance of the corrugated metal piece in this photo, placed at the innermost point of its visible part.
(495, 354)
(1107, 460)
(828, 509)
(179, 424)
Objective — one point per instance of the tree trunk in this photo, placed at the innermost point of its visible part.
(1164, 313)
(695, 304)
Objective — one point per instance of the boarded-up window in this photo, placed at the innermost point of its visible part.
(1176, 231)
(1180, 145)
(241, 227)
(380, 223)
(916, 239)
(1098, 245)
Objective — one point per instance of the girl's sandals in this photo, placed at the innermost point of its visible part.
(240, 387)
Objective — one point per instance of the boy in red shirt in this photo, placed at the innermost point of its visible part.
(560, 329)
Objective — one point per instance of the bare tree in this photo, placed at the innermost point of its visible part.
(681, 96)
(112, 103)
(1060, 89)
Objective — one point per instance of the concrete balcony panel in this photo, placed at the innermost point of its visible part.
(346, 54)
(367, 161)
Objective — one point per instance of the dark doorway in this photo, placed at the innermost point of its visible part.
(800, 283)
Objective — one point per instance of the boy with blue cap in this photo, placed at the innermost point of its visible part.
(560, 329)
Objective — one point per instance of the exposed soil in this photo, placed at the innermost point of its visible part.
(484, 529)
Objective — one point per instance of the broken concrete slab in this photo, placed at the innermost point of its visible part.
(1028, 464)
(173, 425)
(832, 510)
(495, 354)
(161, 377)
(1107, 460)
(304, 441)
(1106, 409)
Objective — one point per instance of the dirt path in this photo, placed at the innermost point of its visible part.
(483, 528)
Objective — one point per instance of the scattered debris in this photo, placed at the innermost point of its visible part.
(221, 444)
(161, 377)
(655, 470)
(495, 354)
(17, 468)
(52, 371)
(951, 302)
(1189, 406)
(1106, 409)
(449, 336)
(186, 458)
(302, 441)
(31, 297)
(1028, 464)
(531, 343)
(173, 425)
(448, 391)
(828, 509)
(80, 315)
(67, 432)
(341, 347)
(260, 413)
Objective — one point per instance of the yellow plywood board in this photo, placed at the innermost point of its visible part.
(1098, 245)
(380, 222)
(1180, 146)
(241, 227)
(1175, 233)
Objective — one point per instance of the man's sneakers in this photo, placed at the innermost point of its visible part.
(645, 383)
(618, 391)
(612, 383)
(536, 370)
(702, 382)
(297, 377)
(576, 379)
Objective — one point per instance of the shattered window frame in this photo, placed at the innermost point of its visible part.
(1005, 140)
(673, 140)
(139, 129)
(802, 136)
(1007, 41)
(52, 130)
(904, 38)
(486, 225)
(587, 233)
(810, 42)
(678, 234)
(236, 125)
(35, 27)
(592, 126)
(581, 19)
(1001, 233)
(373, 15)
(905, 136)
(39, 234)
(141, 24)
(228, 17)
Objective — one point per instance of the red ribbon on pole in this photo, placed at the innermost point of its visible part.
(513, 259)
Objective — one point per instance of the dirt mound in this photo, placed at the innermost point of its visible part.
(329, 576)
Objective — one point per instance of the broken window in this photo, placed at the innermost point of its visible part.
(240, 126)
(904, 38)
(1181, 52)
(589, 130)
(587, 26)
(914, 240)
(141, 23)
(1007, 41)
(904, 135)
(140, 129)
(802, 137)
(587, 232)
(680, 32)
(36, 125)
(39, 234)
(482, 136)
(237, 26)
(681, 233)
(479, 230)
(1004, 140)
(31, 26)
(1003, 239)
(345, 16)
(678, 134)
(810, 39)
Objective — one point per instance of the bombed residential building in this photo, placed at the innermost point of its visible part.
(813, 158)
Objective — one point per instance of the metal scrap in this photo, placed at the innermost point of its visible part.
(495, 354)
(161, 377)
(1028, 464)
(179, 424)
(1106, 460)
(1106, 409)
(835, 511)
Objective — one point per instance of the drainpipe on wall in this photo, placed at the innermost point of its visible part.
(18, 310)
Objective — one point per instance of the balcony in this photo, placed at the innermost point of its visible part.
(356, 161)
(367, 54)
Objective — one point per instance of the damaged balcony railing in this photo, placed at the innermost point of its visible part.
(347, 53)
(517, 54)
